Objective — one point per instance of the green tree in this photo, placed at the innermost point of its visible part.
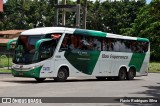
(147, 24)
(95, 16)
(112, 16)
(25, 14)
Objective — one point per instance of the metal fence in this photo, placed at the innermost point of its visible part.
(6, 59)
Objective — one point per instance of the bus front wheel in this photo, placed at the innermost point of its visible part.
(131, 74)
(62, 75)
(122, 74)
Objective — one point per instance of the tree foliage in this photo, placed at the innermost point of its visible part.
(105, 16)
(25, 14)
(113, 16)
(127, 17)
(147, 24)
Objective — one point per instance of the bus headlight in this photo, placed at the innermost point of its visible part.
(33, 67)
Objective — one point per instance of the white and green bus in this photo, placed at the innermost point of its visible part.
(59, 53)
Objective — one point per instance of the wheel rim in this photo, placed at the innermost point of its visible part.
(61, 74)
(131, 73)
(122, 74)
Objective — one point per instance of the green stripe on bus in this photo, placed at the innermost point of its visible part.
(137, 60)
(83, 61)
(143, 39)
(89, 33)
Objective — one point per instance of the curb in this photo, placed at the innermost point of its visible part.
(4, 73)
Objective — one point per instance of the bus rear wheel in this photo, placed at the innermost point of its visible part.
(40, 79)
(131, 74)
(122, 74)
(62, 75)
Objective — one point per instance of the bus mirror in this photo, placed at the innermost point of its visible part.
(11, 44)
(39, 43)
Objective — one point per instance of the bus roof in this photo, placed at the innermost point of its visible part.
(47, 30)
(108, 35)
(43, 30)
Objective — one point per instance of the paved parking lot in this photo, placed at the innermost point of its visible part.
(146, 86)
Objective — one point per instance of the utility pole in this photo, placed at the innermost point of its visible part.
(84, 15)
(78, 14)
(73, 8)
(56, 13)
(63, 13)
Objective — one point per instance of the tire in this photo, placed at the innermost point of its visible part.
(131, 74)
(122, 74)
(62, 75)
(101, 78)
(40, 79)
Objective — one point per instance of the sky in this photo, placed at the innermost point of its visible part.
(148, 1)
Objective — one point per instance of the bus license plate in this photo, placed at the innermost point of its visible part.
(20, 73)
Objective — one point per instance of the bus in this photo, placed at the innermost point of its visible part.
(60, 52)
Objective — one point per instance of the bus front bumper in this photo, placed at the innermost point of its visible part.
(32, 73)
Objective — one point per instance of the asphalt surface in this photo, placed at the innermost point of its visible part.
(145, 86)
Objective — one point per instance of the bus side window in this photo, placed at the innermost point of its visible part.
(65, 43)
(70, 42)
(80, 42)
(97, 44)
(73, 42)
(139, 46)
(127, 44)
(90, 43)
(107, 44)
(142, 47)
(116, 46)
(145, 46)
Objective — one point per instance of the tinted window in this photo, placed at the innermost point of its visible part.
(122, 45)
(80, 42)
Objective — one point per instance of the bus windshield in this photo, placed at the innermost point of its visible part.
(25, 52)
(25, 49)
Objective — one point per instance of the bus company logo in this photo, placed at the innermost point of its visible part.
(114, 56)
(105, 56)
(82, 53)
(6, 100)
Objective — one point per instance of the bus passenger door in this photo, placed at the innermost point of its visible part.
(46, 50)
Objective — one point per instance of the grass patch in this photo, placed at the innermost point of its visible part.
(154, 67)
(5, 70)
(4, 62)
